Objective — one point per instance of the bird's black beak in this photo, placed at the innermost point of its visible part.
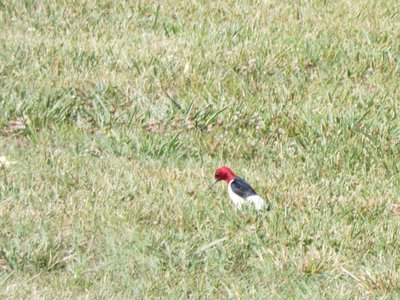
(213, 183)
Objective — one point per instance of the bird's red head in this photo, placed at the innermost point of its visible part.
(224, 173)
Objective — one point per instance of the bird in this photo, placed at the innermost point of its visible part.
(239, 190)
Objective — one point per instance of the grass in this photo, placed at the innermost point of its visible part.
(116, 116)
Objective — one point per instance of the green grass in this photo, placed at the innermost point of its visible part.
(117, 115)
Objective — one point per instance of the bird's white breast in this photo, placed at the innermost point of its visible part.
(236, 199)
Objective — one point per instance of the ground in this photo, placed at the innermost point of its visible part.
(115, 115)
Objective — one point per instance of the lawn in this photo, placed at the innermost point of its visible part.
(115, 115)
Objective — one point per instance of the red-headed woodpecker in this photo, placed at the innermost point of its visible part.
(239, 190)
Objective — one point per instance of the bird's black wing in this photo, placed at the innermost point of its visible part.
(242, 188)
